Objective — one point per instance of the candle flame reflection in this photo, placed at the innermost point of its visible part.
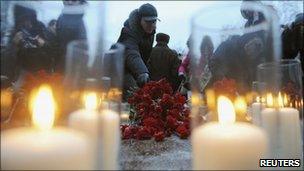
(280, 100)
(43, 106)
(90, 100)
(226, 112)
(240, 105)
(269, 100)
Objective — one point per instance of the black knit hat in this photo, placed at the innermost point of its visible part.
(148, 12)
(162, 37)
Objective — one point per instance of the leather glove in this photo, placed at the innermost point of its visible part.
(181, 77)
(142, 79)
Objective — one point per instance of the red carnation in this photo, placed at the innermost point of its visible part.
(159, 136)
(182, 131)
(157, 112)
(127, 133)
(143, 133)
(172, 122)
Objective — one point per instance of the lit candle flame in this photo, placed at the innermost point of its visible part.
(90, 100)
(43, 106)
(269, 100)
(195, 99)
(240, 105)
(280, 100)
(285, 100)
(258, 99)
(263, 100)
(210, 94)
(226, 112)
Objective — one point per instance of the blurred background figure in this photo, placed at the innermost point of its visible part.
(241, 53)
(164, 62)
(206, 50)
(52, 43)
(292, 39)
(70, 26)
(183, 71)
(30, 40)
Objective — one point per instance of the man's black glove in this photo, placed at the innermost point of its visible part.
(142, 79)
(181, 77)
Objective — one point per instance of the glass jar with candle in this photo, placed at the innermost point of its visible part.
(93, 100)
(228, 42)
(282, 117)
(34, 57)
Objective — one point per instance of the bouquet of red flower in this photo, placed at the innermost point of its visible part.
(157, 112)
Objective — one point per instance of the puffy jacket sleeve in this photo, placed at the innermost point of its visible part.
(133, 60)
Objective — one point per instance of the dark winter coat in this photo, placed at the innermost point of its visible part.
(237, 58)
(30, 56)
(138, 45)
(164, 63)
(70, 27)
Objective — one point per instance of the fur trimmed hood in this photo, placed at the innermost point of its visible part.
(133, 23)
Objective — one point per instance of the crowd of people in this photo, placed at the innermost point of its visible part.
(40, 47)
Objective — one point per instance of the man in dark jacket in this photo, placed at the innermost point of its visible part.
(137, 35)
(70, 26)
(164, 62)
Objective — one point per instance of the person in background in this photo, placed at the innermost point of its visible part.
(292, 39)
(206, 50)
(183, 69)
(29, 40)
(164, 62)
(137, 35)
(70, 26)
(52, 45)
(240, 53)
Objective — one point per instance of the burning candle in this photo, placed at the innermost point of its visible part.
(290, 131)
(41, 146)
(86, 119)
(256, 109)
(226, 144)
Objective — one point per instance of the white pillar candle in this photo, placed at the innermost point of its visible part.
(32, 149)
(256, 109)
(228, 145)
(291, 138)
(86, 121)
(42, 147)
(110, 142)
(269, 122)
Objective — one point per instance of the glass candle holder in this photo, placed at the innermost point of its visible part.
(282, 116)
(94, 101)
(228, 42)
(36, 62)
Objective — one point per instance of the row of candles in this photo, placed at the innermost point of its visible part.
(281, 121)
(91, 140)
(94, 140)
(230, 144)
